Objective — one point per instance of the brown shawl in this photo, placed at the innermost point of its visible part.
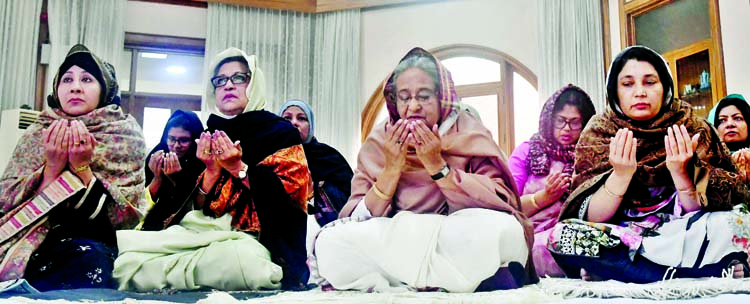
(481, 176)
(714, 173)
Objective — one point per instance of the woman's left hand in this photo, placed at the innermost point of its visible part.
(81, 145)
(228, 154)
(427, 145)
(680, 148)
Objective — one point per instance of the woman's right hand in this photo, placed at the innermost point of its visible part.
(156, 163)
(741, 160)
(55, 140)
(204, 153)
(395, 146)
(557, 184)
(622, 149)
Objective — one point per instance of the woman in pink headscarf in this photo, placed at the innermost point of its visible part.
(433, 205)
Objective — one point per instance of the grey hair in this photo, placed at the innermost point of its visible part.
(423, 63)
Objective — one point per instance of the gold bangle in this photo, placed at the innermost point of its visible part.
(81, 168)
(533, 201)
(612, 194)
(688, 190)
(379, 193)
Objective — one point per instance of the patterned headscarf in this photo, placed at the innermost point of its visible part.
(308, 111)
(256, 89)
(446, 93)
(103, 71)
(543, 146)
(713, 174)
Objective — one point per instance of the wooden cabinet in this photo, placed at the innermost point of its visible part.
(687, 34)
(694, 75)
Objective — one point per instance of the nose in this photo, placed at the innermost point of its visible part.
(413, 105)
(75, 86)
(640, 90)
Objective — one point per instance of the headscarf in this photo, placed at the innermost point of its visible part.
(308, 111)
(543, 147)
(256, 89)
(270, 145)
(731, 100)
(464, 140)
(712, 169)
(193, 125)
(103, 71)
(446, 94)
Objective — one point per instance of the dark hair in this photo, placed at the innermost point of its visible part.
(639, 53)
(577, 98)
(181, 119)
(224, 61)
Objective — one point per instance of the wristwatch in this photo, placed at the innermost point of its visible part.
(243, 173)
(442, 173)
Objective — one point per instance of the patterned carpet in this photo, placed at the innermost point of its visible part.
(548, 291)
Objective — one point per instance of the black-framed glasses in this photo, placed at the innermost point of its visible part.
(237, 78)
(574, 124)
(183, 141)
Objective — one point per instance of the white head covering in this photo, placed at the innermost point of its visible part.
(256, 89)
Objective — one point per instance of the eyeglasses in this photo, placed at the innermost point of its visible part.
(422, 97)
(237, 78)
(183, 141)
(573, 123)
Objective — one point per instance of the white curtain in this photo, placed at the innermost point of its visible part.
(336, 88)
(281, 40)
(571, 47)
(19, 33)
(97, 24)
(312, 57)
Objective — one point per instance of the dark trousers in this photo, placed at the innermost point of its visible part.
(615, 264)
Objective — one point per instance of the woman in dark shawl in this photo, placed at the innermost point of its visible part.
(173, 167)
(331, 174)
(653, 184)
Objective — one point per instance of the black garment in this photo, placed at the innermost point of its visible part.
(283, 224)
(615, 264)
(78, 252)
(332, 180)
(171, 197)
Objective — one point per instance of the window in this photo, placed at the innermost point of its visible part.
(501, 89)
(158, 77)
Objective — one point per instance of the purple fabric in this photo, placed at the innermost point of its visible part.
(544, 220)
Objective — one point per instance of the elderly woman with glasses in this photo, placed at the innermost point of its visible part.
(433, 205)
(542, 167)
(245, 226)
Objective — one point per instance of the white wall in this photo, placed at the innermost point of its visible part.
(389, 32)
(165, 19)
(735, 36)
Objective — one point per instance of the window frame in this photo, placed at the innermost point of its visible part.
(503, 89)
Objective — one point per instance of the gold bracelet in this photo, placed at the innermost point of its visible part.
(612, 194)
(81, 168)
(379, 193)
(533, 201)
(688, 190)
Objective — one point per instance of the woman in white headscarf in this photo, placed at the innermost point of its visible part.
(256, 180)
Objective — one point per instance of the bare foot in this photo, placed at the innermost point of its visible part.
(586, 276)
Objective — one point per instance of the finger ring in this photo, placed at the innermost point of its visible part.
(76, 143)
(207, 151)
(219, 151)
(398, 142)
(83, 142)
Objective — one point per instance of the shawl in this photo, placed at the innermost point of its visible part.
(714, 174)
(482, 177)
(543, 147)
(118, 162)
